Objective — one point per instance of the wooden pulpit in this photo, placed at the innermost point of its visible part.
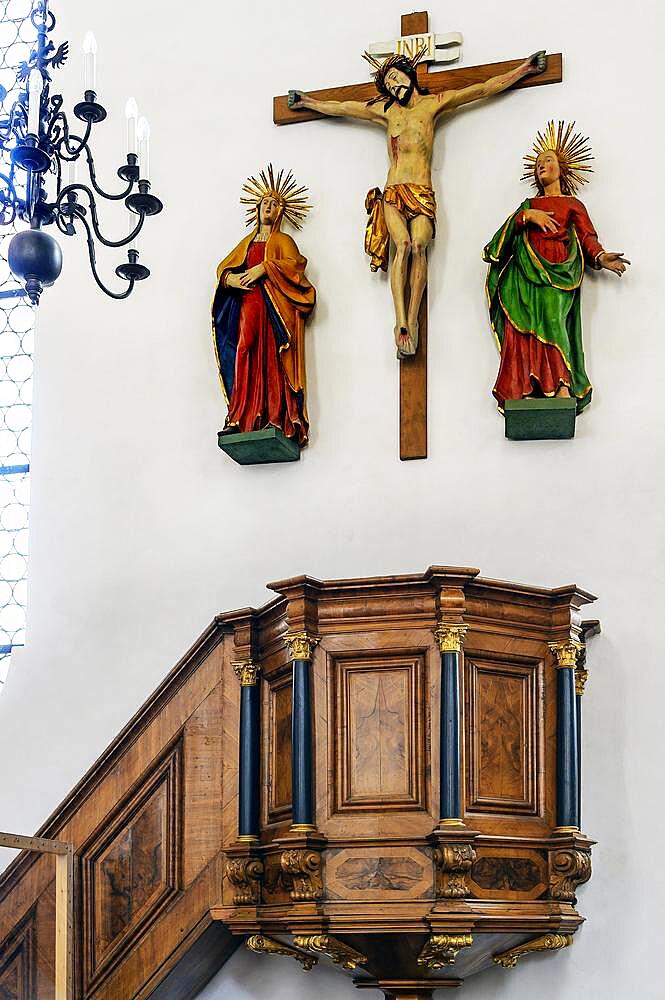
(402, 785)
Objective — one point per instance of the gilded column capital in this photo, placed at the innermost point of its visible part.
(450, 637)
(581, 677)
(247, 673)
(300, 645)
(566, 652)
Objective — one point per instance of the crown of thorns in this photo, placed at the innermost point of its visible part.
(281, 186)
(402, 62)
(573, 152)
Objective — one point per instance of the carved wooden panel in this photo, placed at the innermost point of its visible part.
(508, 873)
(380, 758)
(279, 785)
(390, 873)
(502, 736)
(17, 962)
(131, 868)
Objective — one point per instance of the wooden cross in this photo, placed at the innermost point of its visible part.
(413, 371)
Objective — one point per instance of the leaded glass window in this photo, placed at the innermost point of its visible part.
(17, 36)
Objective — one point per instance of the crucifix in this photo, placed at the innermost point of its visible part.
(408, 101)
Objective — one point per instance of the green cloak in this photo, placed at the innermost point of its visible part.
(539, 298)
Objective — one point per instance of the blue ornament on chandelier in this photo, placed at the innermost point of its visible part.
(42, 150)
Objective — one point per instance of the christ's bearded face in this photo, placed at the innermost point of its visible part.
(399, 85)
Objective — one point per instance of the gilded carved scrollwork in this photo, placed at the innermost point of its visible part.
(441, 949)
(549, 942)
(453, 863)
(335, 950)
(266, 945)
(302, 869)
(568, 869)
(245, 874)
(450, 637)
(300, 645)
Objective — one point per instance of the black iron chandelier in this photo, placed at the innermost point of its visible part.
(42, 188)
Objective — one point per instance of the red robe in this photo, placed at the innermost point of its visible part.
(528, 365)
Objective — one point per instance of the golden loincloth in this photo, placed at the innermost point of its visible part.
(410, 200)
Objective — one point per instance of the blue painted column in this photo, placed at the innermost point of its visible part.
(249, 770)
(451, 640)
(581, 677)
(300, 646)
(567, 760)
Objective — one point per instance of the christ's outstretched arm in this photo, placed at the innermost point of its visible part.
(337, 109)
(451, 99)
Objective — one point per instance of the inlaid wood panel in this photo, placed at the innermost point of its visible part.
(279, 784)
(502, 736)
(380, 747)
(389, 873)
(508, 873)
(17, 962)
(132, 868)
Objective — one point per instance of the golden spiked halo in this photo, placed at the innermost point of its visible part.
(573, 153)
(380, 67)
(284, 188)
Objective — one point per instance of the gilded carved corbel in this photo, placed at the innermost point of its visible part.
(246, 874)
(303, 870)
(333, 949)
(453, 863)
(269, 946)
(549, 942)
(441, 949)
(569, 868)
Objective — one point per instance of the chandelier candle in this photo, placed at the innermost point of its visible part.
(45, 152)
(90, 62)
(144, 148)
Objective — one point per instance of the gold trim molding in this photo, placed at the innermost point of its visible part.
(269, 946)
(450, 637)
(247, 673)
(300, 645)
(566, 652)
(333, 949)
(441, 949)
(549, 942)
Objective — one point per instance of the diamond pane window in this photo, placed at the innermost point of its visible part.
(17, 37)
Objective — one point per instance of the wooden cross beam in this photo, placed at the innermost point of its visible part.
(413, 370)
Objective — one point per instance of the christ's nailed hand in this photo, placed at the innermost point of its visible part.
(295, 100)
(538, 62)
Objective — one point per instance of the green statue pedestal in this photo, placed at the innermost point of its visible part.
(259, 447)
(540, 419)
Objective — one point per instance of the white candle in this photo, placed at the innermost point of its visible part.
(35, 87)
(144, 148)
(133, 219)
(90, 62)
(72, 171)
(132, 114)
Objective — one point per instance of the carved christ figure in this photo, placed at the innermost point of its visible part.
(405, 213)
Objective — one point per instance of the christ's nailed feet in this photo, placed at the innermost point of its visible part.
(295, 99)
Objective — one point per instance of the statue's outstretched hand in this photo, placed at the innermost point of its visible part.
(295, 100)
(615, 262)
(536, 63)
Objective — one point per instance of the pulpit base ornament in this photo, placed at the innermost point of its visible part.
(441, 950)
(333, 949)
(549, 942)
(568, 869)
(303, 869)
(269, 946)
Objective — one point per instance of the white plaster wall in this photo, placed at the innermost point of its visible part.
(141, 529)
